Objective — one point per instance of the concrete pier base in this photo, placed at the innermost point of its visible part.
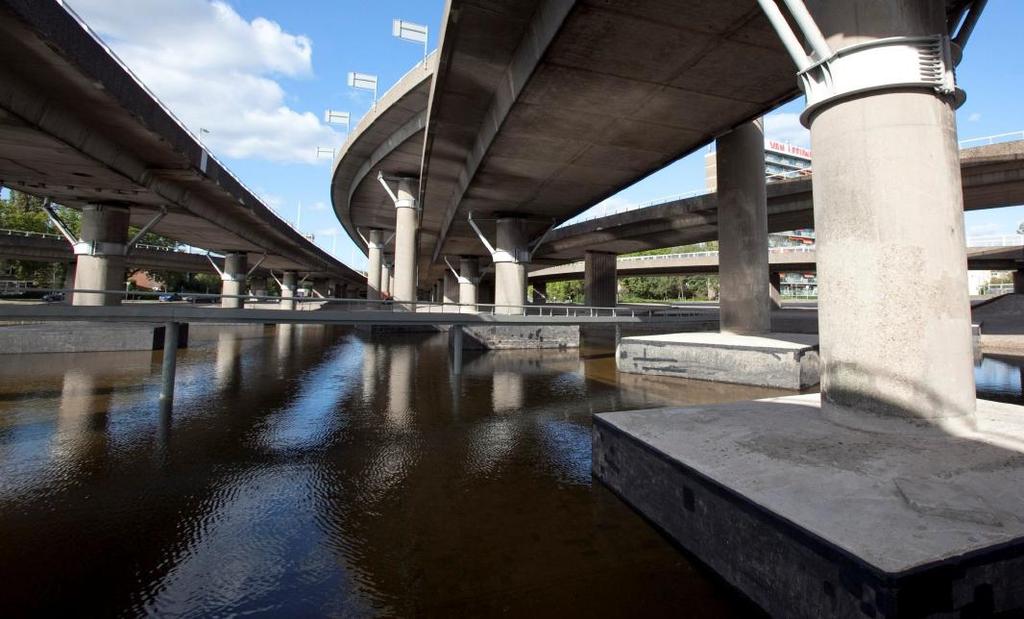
(509, 337)
(783, 360)
(811, 518)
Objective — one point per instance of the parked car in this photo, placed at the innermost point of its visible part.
(53, 297)
(166, 298)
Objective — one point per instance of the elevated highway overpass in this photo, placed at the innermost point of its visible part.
(39, 247)
(77, 127)
(992, 177)
(560, 105)
(780, 259)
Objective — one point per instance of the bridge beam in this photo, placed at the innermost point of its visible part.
(100, 250)
(232, 279)
(374, 248)
(600, 283)
(743, 231)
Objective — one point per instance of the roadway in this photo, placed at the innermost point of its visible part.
(77, 127)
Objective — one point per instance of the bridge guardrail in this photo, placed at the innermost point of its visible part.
(312, 303)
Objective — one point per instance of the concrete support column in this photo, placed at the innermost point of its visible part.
(450, 291)
(600, 284)
(373, 269)
(69, 282)
(743, 231)
(258, 287)
(385, 277)
(406, 224)
(233, 279)
(469, 282)
(288, 290)
(775, 289)
(895, 342)
(1018, 282)
(100, 262)
(510, 261)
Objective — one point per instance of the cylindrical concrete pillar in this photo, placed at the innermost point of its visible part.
(385, 277)
(100, 263)
(743, 231)
(510, 262)
(69, 282)
(775, 289)
(600, 284)
(893, 308)
(406, 224)
(469, 280)
(288, 290)
(374, 253)
(233, 279)
(258, 287)
(450, 291)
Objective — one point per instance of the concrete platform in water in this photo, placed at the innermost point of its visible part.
(784, 360)
(811, 518)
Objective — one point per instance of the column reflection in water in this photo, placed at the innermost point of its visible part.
(371, 359)
(228, 369)
(285, 342)
(400, 384)
(82, 432)
(507, 392)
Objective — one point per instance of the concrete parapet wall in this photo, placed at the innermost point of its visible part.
(502, 337)
(58, 337)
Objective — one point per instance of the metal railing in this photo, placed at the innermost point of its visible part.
(1012, 136)
(180, 249)
(313, 303)
(1003, 240)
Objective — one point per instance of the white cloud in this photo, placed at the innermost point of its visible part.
(328, 232)
(318, 206)
(983, 230)
(217, 71)
(786, 127)
(974, 117)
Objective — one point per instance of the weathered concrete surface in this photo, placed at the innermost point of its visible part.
(783, 360)
(600, 284)
(814, 519)
(71, 337)
(503, 337)
(894, 341)
(743, 236)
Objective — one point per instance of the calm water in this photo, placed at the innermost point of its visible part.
(999, 378)
(308, 471)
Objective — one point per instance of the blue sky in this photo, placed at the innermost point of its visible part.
(258, 75)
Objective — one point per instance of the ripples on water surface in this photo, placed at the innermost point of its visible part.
(309, 471)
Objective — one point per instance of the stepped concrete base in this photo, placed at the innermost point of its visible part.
(814, 519)
(70, 337)
(508, 337)
(784, 360)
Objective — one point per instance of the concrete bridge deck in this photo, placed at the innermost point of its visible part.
(77, 127)
(40, 247)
